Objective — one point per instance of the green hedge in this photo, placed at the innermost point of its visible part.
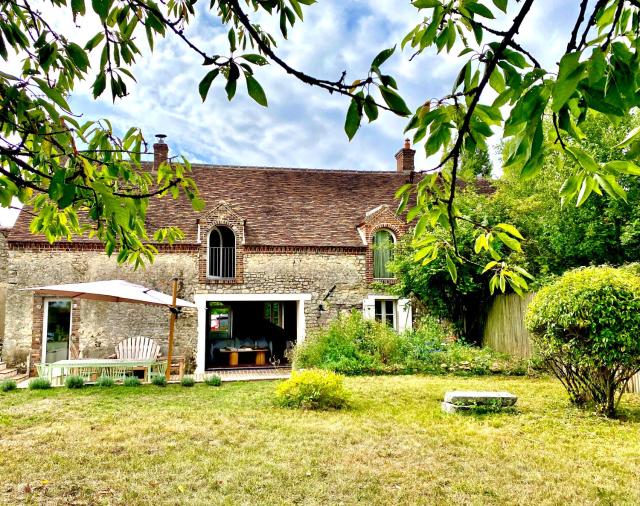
(586, 326)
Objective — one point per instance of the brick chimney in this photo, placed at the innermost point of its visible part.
(405, 158)
(160, 151)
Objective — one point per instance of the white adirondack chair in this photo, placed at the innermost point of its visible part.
(145, 348)
(138, 348)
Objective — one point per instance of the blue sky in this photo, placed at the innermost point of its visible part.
(303, 126)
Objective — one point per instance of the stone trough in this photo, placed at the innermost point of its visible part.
(467, 400)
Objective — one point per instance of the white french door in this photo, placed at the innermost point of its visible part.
(56, 330)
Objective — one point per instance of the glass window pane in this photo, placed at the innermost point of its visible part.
(382, 254)
(389, 304)
(222, 253)
(219, 321)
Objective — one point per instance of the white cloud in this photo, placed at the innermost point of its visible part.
(303, 126)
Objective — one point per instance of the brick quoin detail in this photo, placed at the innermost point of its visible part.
(37, 331)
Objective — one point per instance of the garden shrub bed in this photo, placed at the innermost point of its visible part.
(351, 345)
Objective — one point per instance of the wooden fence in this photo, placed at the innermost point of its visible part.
(634, 384)
(505, 332)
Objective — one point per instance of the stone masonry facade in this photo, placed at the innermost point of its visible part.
(333, 277)
(96, 326)
(4, 261)
(305, 234)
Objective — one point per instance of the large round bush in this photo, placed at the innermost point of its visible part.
(586, 325)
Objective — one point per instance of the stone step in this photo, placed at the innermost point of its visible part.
(464, 400)
(3, 366)
(8, 373)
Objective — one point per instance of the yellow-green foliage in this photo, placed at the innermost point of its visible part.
(587, 326)
(312, 389)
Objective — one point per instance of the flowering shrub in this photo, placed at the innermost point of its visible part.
(312, 389)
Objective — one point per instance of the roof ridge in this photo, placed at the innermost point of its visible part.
(292, 169)
(274, 168)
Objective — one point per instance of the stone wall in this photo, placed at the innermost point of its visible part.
(335, 280)
(100, 325)
(3, 282)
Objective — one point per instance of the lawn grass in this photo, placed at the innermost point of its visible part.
(231, 445)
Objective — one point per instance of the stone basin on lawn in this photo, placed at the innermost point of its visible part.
(471, 399)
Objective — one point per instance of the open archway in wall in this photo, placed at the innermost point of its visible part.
(221, 258)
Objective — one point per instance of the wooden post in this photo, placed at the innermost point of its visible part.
(172, 326)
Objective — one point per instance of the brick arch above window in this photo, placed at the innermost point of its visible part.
(222, 215)
(380, 218)
(395, 231)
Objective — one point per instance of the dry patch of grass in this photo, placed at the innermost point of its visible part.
(231, 445)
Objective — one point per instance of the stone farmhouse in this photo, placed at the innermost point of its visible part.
(275, 254)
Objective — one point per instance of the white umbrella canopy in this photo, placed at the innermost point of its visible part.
(114, 290)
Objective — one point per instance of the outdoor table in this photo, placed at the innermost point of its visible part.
(91, 369)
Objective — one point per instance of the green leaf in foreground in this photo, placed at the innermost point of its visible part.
(352, 121)
(205, 84)
(255, 90)
(394, 101)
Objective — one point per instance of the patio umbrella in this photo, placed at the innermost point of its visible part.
(118, 290)
(113, 290)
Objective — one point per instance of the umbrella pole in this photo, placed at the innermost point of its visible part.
(172, 326)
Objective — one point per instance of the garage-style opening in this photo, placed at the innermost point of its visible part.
(249, 334)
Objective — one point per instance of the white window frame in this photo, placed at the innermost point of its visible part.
(235, 249)
(402, 308)
(45, 323)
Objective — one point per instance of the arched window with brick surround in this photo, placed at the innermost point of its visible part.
(221, 258)
(383, 243)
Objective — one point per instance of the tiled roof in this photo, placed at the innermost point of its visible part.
(282, 207)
